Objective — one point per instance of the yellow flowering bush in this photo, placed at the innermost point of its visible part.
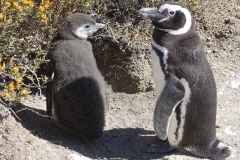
(43, 9)
(22, 49)
(26, 28)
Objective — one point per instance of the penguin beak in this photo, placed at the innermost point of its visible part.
(153, 14)
(100, 26)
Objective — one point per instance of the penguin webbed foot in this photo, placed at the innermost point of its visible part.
(161, 147)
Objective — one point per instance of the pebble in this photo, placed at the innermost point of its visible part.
(124, 40)
(237, 39)
(238, 15)
(209, 39)
(209, 51)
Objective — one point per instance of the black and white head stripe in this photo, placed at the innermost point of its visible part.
(172, 9)
(170, 17)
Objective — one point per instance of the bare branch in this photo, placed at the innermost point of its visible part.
(113, 36)
(14, 113)
(34, 112)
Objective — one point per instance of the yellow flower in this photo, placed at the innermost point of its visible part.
(48, 5)
(0, 59)
(6, 95)
(24, 91)
(19, 79)
(41, 8)
(15, 3)
(31, 3)
(15, 69)
(1, 15)
(11, 86)
(8, 4)
(19, 8)
(44, 17)
(25, 1)
(1, 67)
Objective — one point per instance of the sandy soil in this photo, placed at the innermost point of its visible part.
(129, 127)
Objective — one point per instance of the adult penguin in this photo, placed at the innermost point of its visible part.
(185, 112)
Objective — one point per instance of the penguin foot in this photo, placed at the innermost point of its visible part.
(216, 150)
(160, 147)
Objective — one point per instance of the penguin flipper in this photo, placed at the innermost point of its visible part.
(171, 95)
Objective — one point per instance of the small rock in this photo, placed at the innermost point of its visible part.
(124, 40)
(117, 24)
(238, 15)
(209, 51)
(237, 39)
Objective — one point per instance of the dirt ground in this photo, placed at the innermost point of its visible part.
(128, 130)
(129, 119)
(129, 127)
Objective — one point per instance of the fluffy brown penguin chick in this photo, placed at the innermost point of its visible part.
(76, 97)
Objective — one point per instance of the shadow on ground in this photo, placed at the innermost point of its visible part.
(120, 143)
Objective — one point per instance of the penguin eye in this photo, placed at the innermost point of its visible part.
(87, 26)
(172, 13)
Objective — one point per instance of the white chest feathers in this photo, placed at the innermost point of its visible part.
(158, 75)
(158, 71)
(175, 129)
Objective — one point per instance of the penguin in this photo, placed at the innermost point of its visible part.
(76, 96)
(185, 112)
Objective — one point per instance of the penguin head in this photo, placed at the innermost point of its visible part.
(170, 17)
(80, 26)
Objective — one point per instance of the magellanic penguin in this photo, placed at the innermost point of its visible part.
(76, 97)
(185, 112)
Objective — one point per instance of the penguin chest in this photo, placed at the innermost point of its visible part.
(158, 74)
(159, 55)
(177, 120)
